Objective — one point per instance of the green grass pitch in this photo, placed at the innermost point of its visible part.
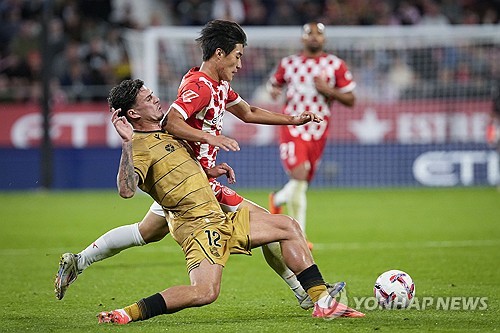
(448, 240)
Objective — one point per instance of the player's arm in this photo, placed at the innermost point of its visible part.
(127, 179)
(257, 115)
(221, 170)
(276, 82)
(332, 93)
(175, 124)
(274, 89)
(342, 91)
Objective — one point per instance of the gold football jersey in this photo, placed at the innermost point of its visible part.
(174, 179)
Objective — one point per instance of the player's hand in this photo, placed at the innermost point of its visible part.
(306, 117)
(274, 91)
(322, 85)
(122, 126)
(222, 141)
(220, 170)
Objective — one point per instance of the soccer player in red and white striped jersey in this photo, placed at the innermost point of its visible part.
(314, 80)
(197, 115)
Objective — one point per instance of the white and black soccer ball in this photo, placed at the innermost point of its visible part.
(394, 289)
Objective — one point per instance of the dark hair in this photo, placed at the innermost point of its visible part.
(220, 34)
(124, 94)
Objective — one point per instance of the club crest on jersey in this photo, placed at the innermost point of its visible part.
(214, 252)
(188, 96)
(169, 147)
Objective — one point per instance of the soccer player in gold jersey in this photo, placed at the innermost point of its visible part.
(165, 168)
(205, 95)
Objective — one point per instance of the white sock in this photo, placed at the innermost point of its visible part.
(272, 254)
(297, 203)
(294, 194)
(281, 197)
(109, 244)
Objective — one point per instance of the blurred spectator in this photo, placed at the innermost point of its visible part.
(72, 20)
(193, 12)
(283, 14)
(400, 76)
(309, 11)
(96, 62)
(231, 10)
(124, 17)
(74, 82)
(432, 14)
(133, 14)
(491, 15)
(454, 10)
(407, 13)
(470, 17)
(114, 48)
(26, 40)
(256, 13)
(57, 37)
(10, 22)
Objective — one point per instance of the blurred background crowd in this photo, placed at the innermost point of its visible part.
(89, 53)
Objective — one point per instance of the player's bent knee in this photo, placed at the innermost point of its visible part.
(290, 227)
(292, 224)
(207, 295)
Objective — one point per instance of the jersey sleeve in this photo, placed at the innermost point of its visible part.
(142, 159)
(278, 78)
(343, 79)
(193, 97)
(232, 98)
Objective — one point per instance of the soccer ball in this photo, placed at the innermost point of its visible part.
(394, 289)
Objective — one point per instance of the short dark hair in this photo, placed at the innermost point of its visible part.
(220, 34)
(124, 94)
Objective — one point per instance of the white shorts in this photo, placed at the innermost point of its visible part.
(156, 209)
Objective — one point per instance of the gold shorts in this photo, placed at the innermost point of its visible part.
(215, 242)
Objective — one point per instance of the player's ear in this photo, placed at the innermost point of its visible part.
(133, 114)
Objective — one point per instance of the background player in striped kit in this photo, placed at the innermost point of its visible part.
(314, 80)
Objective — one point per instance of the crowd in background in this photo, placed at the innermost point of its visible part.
(89, 54)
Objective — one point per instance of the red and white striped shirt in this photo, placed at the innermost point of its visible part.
(202, 102)
(298, 73)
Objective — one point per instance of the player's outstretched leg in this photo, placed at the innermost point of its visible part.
(67, 273)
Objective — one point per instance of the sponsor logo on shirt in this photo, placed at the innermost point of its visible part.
(188, 96)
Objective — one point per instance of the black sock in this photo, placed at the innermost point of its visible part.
(152, 306)
(310, 277)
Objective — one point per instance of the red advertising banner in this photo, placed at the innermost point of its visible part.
(409, 122)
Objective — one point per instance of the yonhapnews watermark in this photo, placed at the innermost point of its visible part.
(450, 303)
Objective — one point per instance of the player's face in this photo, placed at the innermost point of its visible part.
(148, 105)
(313, 38)
(230, 63)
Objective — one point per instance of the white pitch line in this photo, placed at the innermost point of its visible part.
(317, 247)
